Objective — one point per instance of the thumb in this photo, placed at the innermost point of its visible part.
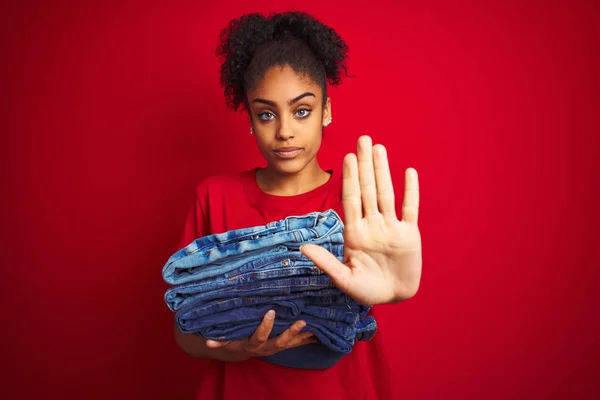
(340, 274)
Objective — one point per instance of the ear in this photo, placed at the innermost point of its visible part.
(326, 111)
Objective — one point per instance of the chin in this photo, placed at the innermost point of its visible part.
(289, 167)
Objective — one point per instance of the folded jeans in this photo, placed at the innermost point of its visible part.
(337, 336)
(269, 268)
(220, 251)
(223, 285)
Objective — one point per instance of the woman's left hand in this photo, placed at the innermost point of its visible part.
(382, 256)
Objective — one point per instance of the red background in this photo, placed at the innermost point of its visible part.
(112, 112)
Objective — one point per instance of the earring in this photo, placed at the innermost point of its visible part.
(328, 122)
(251, 131)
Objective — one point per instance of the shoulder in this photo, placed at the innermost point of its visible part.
(223, 183)
(226, 180)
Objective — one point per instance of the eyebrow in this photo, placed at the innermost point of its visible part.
(294, 100)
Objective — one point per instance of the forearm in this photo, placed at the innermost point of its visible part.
(196, 347)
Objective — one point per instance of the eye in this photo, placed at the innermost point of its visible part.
(303, 113)
(266, 116)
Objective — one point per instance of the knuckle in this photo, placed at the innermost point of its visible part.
(255, 343)
(367, 185)
(386, 195)
(280, 345)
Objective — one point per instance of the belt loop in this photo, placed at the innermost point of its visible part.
(298, 236)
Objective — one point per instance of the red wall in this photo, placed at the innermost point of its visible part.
(112, 113)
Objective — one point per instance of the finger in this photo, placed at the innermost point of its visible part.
(290, 333)
(351, 190)
(213, 344)
(340, 274)
(410, 204)
(366, 175)
(383, 178)
(302, 339)
(261, 335)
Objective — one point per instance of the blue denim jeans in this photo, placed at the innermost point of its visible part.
(318, 356)
(328, 304)
(336, 320)
(225, 283)
(270, 275)
(217, 254)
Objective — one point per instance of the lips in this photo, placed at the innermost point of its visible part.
(288, 152)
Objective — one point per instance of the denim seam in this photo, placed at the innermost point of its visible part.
(262, 263)
(265, 232)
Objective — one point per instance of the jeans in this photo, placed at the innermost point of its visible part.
(224, 284)
(217, 254)
(335, 320)
(272, 274)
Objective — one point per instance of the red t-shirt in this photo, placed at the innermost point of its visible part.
(236, 201)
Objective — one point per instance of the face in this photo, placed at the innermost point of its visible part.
(287, 115)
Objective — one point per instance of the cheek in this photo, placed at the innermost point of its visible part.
(261, 143)
(264, 144)
(311, 128)
(315, 138)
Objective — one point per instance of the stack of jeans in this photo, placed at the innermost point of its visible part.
(224, 284)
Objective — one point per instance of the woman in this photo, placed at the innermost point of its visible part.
(277, 69)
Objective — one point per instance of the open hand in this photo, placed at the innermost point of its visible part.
(382, 256)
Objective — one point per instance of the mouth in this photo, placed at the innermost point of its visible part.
(287, 152)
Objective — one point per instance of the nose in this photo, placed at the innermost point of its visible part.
(284, 130)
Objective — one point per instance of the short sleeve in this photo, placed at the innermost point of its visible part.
(196, 224)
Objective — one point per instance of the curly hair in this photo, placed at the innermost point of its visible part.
(253, 43)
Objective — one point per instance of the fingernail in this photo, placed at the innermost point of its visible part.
(271, 314)
(301, 325)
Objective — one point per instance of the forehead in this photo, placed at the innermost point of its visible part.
(282, 83)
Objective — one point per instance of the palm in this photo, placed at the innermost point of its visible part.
(382, 260)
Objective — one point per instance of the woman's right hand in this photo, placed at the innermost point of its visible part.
(259, 344)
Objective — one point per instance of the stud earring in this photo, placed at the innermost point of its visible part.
(328, 122)
(251, 131)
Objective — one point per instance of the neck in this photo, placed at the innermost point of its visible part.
(276, 183)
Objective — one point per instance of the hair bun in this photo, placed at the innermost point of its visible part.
(244, 36)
